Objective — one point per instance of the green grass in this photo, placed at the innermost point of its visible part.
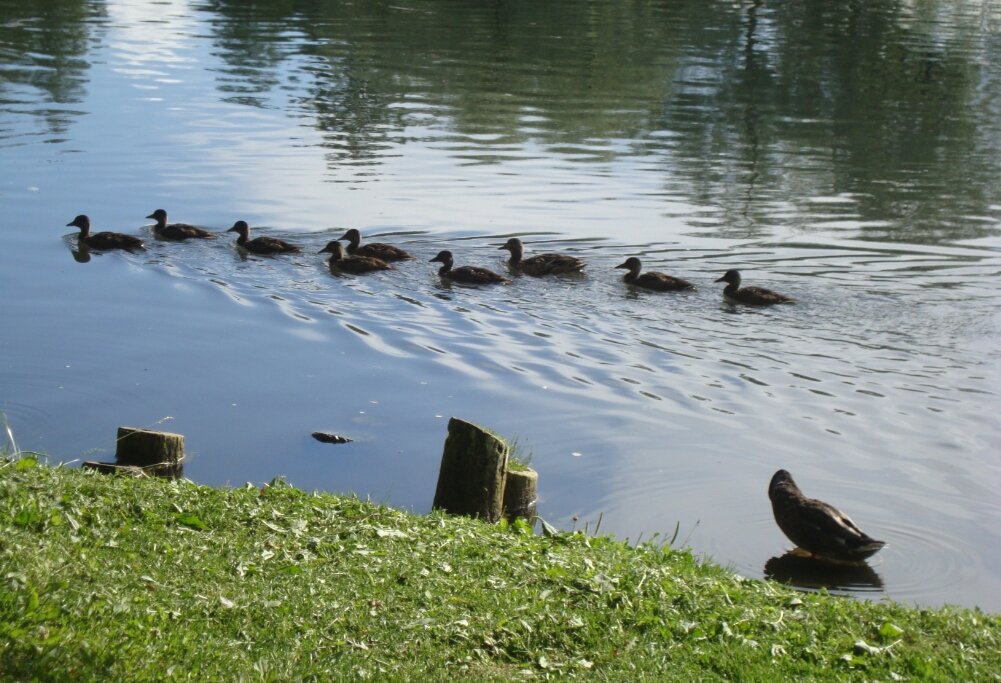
(114, 578)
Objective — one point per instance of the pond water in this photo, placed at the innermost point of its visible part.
(848, 154)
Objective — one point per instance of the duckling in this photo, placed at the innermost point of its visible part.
(103, 240)
(340, 260)
(541, 264)
(471, 275)
(815, 526)
(750, 295)
(261, 245)
(383, 252)
(177, 232)
(659, 282)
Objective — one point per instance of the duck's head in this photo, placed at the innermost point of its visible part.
(335, 248)
(732, 277)
(352, 235)
(160, 216)
(513, 245)
(444, 256)
(81, 221)
(631, 263)
(782, 480)
(240, 227)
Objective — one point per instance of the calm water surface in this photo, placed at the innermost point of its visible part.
(846, 154)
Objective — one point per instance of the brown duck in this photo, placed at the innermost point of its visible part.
(261, 245)
(383, 252)
(750, 295)
(470, 275)
(103, 240)
(340, 260)
(815, 526)
(540, 264)
(177, 232)
(659, 282)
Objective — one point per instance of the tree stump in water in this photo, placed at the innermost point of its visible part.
(521, 494)
(473, 469)
(142, 447)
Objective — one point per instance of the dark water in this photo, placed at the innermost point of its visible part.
(845, 153)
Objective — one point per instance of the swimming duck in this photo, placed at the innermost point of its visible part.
(383, 252)
(103, 240)
(541, 264)
(261, 245)
(471, 275)
(651, 279)
(750, 295)
(815, 526)
(176, 231)
(352, 264)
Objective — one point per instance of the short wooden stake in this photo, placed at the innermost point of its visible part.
(473, 468)
(521, 494)
(142, 447)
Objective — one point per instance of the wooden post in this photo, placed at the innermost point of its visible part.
(521, 494)
(473, 468)
(142, 447)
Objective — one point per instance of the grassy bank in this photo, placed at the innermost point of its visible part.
(140, 579)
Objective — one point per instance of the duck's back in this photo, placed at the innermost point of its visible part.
(551, 264)
(179, 232)
(270, 245)
(475, 275)
(112, 240)
(660, 282)
(383, 252)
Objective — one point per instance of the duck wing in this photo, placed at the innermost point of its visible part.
(475, 275)
(824, 530)
(113, 240)
(181, 232)
(270, 245)
(760, 295)
(662, 282)
(551, 264)
(360, 264)
(384, 252)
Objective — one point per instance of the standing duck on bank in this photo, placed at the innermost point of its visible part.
(103, 240)
(815, 526)
(750, 295)
(339, 260)
(540, 264)
(659, 282)
(383, 252)
(470, 275)
(177, 232)
(261, 245)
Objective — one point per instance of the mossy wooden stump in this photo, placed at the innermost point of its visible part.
(142, 451)
(474, 479)
(473, 468)
(521, 494)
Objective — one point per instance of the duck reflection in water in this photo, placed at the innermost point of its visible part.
(803, 570)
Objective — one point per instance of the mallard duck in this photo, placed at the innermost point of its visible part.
(750, 295)
(541, 264)
(177, 232)
(815, 526)
(352, 264)
(261, 245)
(103, 240)
(471, 275)
(383, 252)
(651, 279)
